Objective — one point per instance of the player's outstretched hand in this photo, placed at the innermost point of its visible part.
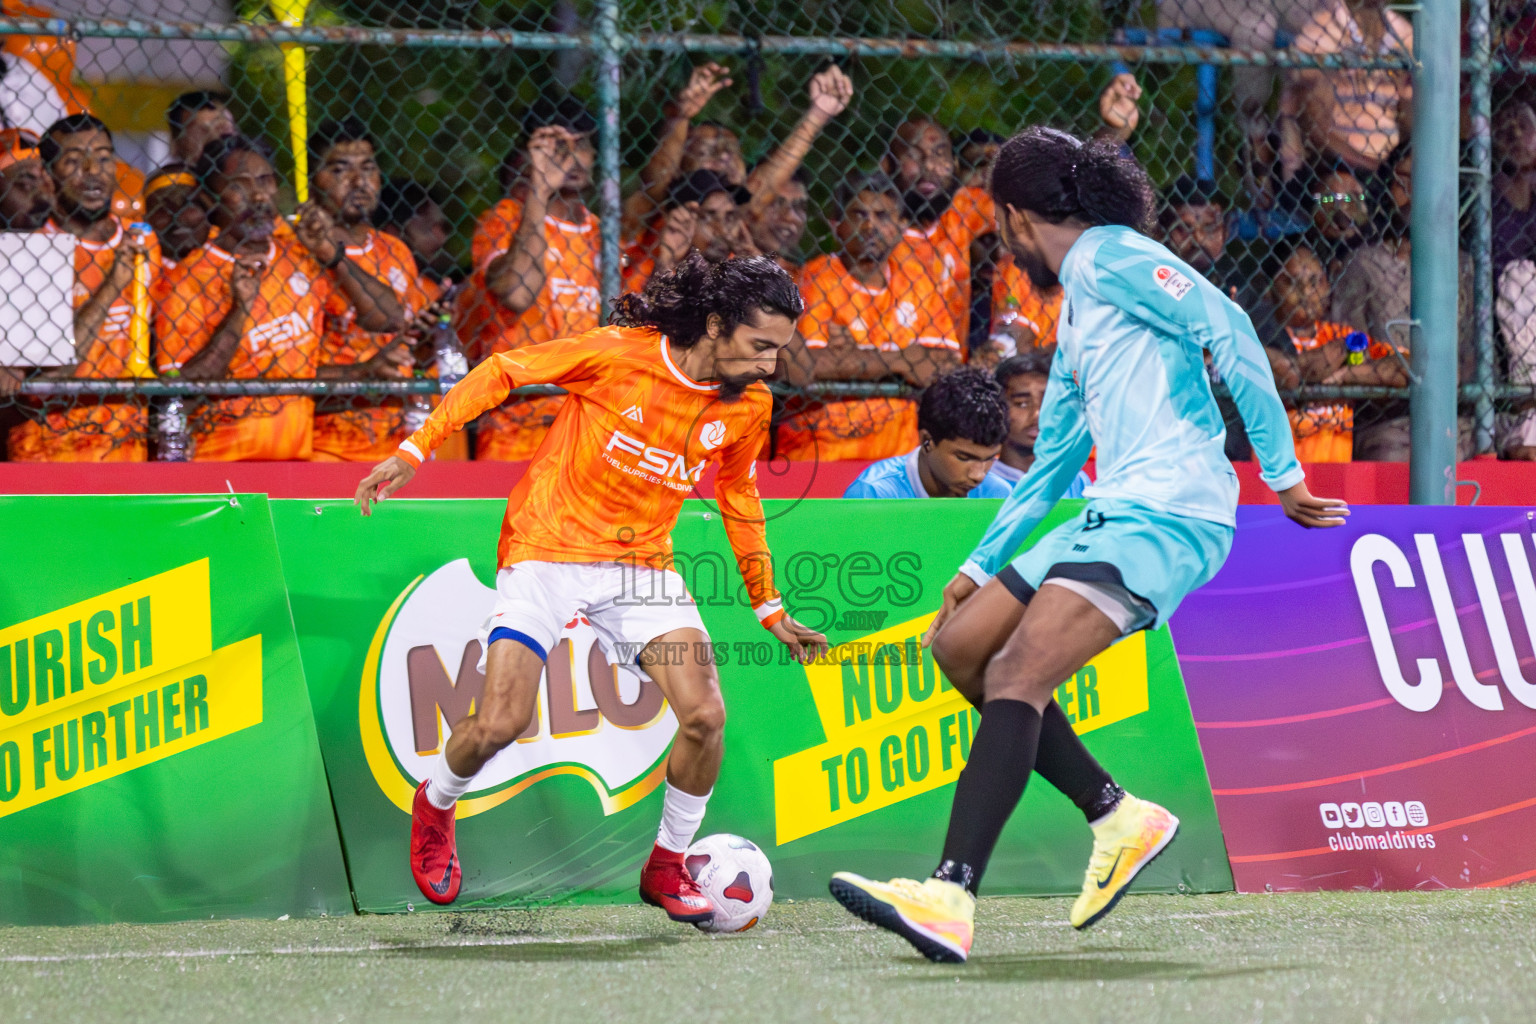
(387, 478)
(1301, 507)
(956, 591)
(803, 642)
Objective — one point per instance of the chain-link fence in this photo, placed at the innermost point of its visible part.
(422, 180)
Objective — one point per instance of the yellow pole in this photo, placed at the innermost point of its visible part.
(138, 319)
(295, 87)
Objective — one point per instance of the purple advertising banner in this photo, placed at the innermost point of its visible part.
(1363, 700)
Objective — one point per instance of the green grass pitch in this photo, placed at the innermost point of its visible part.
(1355, 957)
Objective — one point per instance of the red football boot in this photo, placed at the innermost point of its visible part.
(666, 883)
(434, 858)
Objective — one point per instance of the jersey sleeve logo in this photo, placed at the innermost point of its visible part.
(1172, 282)
(712, 434)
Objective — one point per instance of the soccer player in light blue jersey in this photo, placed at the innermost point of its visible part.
(1129, 378)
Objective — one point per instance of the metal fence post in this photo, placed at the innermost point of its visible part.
(1432, 464)
(611, 206)
(1481, 213)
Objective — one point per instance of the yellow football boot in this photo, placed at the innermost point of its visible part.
(1133, 834)
(936, 916)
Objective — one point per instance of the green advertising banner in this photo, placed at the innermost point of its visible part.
(846, 764)
(158, 757)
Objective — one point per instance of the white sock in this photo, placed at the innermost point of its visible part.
(443, 787)
(681, 815)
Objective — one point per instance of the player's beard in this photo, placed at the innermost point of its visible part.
(734, 386)
(1033, 264)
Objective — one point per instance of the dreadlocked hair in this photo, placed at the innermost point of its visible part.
(1056, 175)
(966, 403)
(678, 302)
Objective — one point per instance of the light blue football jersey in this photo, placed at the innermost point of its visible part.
(1129, 377)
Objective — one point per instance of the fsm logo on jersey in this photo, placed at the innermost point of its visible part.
(607, 727)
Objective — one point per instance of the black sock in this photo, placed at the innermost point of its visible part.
(993, 780)
(1065, 763)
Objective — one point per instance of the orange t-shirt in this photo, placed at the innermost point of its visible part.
(909, 311)
(281, 340)
(86, 430)
(1015, 299)
(570, 303)
(629, 444)
(1325, 431)
(372, 430)
(944, 260)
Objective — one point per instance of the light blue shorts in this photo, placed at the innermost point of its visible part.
(1153, 558)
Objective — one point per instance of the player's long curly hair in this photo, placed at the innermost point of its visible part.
(678, 302)
(1056, 175)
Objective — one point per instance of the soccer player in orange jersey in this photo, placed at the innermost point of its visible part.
(346, 186)
(870, 314)
(251, 303)
(674, 386)
(537, 273)
(78, 154)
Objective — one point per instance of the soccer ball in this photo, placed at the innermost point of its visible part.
(736, 876)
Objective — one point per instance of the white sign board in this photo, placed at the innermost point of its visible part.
(37, 313)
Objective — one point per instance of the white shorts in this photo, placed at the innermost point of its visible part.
(627, 606)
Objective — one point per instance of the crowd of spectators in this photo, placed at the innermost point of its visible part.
(914, 288)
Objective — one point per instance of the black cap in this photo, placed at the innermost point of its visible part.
(700, 185)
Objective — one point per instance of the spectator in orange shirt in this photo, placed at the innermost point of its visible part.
(1305, 347)
(195, 119)
(537, 275)
(778, 224)
(921, 161)
(78, 154)
(346, 185)
(173, 205)
(26, 201)
(870, 315)
(251, 304)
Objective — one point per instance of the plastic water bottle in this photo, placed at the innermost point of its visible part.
(173, 441)
(451, 363)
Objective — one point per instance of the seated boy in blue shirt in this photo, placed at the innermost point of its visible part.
(961, 423)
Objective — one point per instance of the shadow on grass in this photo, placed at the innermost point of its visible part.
(606, 950)
(1085, 967)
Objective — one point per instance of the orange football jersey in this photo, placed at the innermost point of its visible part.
(630, 443)
(944, 260)
(1015, 299)
(909, 312)
(367, 431)
(281, 340)
(570, 303)
(84, 429)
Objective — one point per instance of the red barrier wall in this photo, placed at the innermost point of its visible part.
(1363, 483)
